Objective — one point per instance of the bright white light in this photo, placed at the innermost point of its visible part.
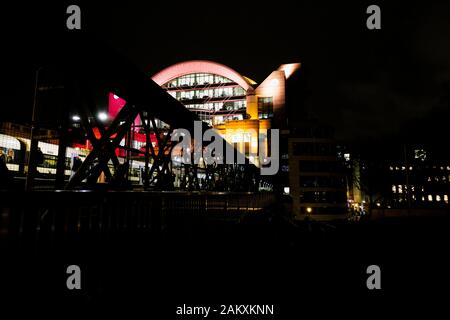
(286, 190)
(115, 97)
(289, 69)
(102, 116)
(76, 118)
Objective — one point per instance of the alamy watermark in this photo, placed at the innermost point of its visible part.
(192, 151)
(374, 20)
(74, 20)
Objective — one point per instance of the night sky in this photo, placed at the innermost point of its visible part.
(365, 83)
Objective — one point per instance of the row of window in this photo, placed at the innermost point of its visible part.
(223, 119)
(423, 198)
(194, 79)
(402, 168)
(217, 106)
(401, 188)
(404, 188)
(416, 178)
(208, 93)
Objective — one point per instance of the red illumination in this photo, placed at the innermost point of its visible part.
(115, 103)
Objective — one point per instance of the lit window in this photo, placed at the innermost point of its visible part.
(400, 188)
(265, 107)
(394, 188)
(445, 198)
(430, 197)
(438, 198)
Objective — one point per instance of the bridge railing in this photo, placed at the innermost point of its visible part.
(46, 215)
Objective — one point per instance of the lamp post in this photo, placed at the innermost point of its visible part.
(33, 142)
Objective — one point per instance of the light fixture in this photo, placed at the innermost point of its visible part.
(76, 118)
(115, 97)
(309, 209)
(102, 116)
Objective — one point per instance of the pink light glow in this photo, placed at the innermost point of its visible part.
(114, 105)
(199, 66)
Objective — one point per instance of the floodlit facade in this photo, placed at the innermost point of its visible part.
(235, 105)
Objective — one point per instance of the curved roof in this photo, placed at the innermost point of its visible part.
(200, 66)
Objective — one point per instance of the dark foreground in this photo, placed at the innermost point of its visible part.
(302, 269)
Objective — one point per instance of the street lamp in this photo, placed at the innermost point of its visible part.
(102, 116)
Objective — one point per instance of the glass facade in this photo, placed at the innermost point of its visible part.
(215, 99)
(195, 79)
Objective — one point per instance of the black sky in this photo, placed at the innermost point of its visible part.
(363, 82)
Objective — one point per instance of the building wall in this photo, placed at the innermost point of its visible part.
(317, 179)
(274, 86)
(243, 132)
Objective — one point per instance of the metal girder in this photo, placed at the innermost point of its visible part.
(93, 68)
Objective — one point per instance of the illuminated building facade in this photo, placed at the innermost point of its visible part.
(233, 104)
(405, 180)
(419, 181)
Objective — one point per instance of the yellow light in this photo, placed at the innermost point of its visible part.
(309, 209)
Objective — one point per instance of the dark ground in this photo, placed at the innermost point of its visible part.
(305, 269)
